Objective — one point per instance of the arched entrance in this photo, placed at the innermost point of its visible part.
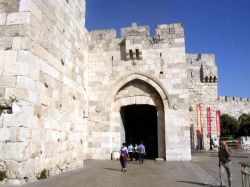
(138, 106)
(140, 124)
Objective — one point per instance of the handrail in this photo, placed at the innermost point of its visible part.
(245, 174)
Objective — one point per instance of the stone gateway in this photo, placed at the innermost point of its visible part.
(67, 95)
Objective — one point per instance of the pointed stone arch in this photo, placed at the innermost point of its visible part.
(157, 85)
(157, 96)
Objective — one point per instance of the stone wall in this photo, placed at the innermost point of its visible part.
(159, 61)
(202, 81)
(234, 106)
(43, 87)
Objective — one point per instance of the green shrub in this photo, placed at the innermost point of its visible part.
(2, 175)
(43, 175)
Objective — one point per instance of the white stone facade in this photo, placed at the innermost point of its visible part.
(62, 88)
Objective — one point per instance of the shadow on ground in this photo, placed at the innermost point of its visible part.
(198, 183)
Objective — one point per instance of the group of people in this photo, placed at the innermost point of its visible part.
(136, 152)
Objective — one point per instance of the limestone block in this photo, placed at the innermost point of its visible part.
(37, 135)
(8, 56)
(26, 42)
(8, 81)
(4, 134)
(19, 134)
(18, 18)
(17, 43)
(15, 120)
(50, 149)
(20, 170)
(28, 5)
(6, 43)
(45, 100)
(15, 151)
(25, 82)
(32, 96)
(2, 18)
(19, 93)
(2, 93)
(9, 30)
(21, 69)
(51, 71)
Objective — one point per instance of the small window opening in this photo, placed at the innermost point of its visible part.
(214, 79)
(206, 79)
(131, 54)
(160, 54)
(210, 79)
(161, 72)
(137, 54)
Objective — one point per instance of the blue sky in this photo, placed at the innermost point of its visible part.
(221, 27)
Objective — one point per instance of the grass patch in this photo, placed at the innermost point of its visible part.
(2, 175)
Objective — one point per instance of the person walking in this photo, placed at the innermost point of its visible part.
(131, 151)
(224, 160)
(136, 152)
(124, 157)
(141, 152)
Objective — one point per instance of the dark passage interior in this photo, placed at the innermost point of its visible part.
(140, 124)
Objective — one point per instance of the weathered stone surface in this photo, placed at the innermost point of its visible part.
(69, 87)
(16, 18)
(2, 18)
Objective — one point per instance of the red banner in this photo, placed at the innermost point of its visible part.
(218, 122)
(199, 130)
(208, 121)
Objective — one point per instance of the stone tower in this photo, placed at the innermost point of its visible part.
(43, 83)
(67, 95)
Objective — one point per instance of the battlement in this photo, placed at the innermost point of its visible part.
(98, 35)
(135, 30)
(231, 99)
(198, 59)
(164, 31)
(205, 63)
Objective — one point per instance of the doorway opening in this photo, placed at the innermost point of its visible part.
(140, 124)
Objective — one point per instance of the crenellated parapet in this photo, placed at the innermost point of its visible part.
(135, 39)
(203, 66)
(234, 106)
(101, 35)
(170, 31)
(233, 99)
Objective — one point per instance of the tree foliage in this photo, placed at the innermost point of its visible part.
(229, 125)
(244, 121)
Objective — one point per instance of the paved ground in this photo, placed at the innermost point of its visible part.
(203, 170)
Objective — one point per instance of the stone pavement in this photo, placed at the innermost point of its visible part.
(201, 171)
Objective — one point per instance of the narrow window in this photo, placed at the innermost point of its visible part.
(210, 79)
(112, 61)
(131, 54)
(214, 79)
(137, 54)
(160, 54)
(206, 79)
